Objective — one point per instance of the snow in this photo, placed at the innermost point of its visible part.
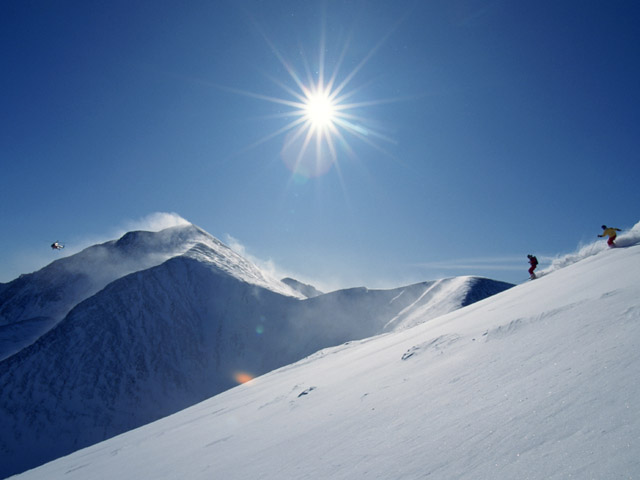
(434, 301)
(537, 382)
(157, 340)
(220, 256)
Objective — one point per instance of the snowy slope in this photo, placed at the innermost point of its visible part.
(163, 338)
(538, 382)
(443, 296)
(357, 313)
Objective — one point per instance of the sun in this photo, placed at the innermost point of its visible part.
(320, 109)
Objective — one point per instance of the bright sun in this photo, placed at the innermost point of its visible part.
(320, 110)
(322, 114)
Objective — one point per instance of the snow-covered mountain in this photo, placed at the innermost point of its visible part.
(34, 303)
(147, 325)
(538, 382)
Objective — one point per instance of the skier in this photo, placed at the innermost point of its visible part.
(57, 246)
(611, 233)
(533, 261)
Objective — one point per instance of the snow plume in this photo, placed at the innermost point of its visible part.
(155, 222)
(31, 260)
(630, 237)
(626, 239)
(267, 266)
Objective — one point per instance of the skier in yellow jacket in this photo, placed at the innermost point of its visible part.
(611, 233)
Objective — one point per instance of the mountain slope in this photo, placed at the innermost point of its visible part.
(163, 338)
(61, 285)
(34, 303)
(444, 296)
(146, 346)
(537, 382)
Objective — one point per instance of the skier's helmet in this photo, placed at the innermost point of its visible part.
(604, 227)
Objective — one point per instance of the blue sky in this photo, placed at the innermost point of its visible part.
(477, 132)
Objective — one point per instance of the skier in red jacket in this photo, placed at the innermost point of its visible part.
(533, 261)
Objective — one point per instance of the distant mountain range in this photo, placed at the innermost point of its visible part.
(132, 330)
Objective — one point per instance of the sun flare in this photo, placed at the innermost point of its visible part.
(323, 115)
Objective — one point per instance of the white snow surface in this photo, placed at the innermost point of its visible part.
(436, 300)
(537, 382)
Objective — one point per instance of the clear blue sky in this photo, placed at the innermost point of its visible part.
(479, 131)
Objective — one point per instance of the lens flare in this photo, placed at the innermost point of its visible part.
(243, 377)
